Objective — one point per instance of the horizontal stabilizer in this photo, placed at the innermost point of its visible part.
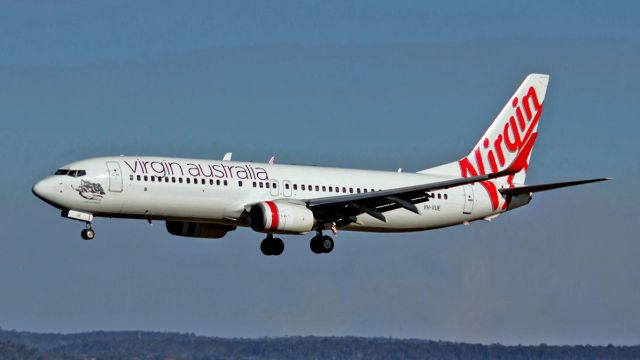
(544, 187)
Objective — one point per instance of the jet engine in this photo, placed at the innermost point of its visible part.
(198, 230)
(281, 217)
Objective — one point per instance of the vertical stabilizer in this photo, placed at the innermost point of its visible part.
(512, 132)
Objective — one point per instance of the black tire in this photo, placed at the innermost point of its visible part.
(87, 234)
(326, 244)
(315, 245)
(265, 247)
(277, 246)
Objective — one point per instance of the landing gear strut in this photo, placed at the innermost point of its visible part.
(321, 244)
(88, 233)
(272, 246)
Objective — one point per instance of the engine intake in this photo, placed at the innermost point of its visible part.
(281, 217)
(198, 230)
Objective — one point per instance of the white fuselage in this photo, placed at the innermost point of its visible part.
(215, 191)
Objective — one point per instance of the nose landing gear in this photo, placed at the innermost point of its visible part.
(88, 233)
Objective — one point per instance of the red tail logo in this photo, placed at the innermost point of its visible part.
(492, 154)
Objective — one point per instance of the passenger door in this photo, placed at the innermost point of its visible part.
(115, 176)
(468, 199)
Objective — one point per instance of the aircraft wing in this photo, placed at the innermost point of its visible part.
(344, 209)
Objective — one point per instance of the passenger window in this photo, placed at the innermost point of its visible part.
(202, 181)
(240, 183)
(130, 177)
(286, 186)
(138, 177)
(330, 188)
(173, 179)
(439, 196)
(180, 180)
(261, 185)
(351, 190)
(275, 185)
(317, 188)
(188, 181)
(210, 181)
(153, 178)
(302, 187)
(146, 178)
(267, 185)
(254, 184)
(446, 197)
(195, 181)
(365, 190)
(344, 189)
(295, 187)
(218, 182)
(358, 189)
(225, 183)
(324, 188)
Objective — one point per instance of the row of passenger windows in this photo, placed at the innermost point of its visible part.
(261, 185)
(179, 180)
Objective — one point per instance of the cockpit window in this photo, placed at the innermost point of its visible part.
(72, 173)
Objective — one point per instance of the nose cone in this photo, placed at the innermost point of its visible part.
(43, 189)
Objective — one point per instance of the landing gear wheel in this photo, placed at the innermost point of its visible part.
(277, 246)
(272, 246)
(265, 247)
(88, 234)
(316, 244)
(326, 244)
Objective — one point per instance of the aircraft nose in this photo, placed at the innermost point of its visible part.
(42, 189)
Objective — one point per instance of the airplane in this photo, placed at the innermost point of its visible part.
(208, 198)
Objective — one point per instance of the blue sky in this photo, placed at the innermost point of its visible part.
(353, 84)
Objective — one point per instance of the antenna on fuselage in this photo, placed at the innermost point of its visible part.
(272, 160)
(227, 157)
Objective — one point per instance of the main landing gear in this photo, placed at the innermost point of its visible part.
(88, 233)
(272, 246)
(321, 244)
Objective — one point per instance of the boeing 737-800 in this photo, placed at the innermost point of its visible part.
(208, 198)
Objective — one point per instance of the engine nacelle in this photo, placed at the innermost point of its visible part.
(198, 230)
(281, 217)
